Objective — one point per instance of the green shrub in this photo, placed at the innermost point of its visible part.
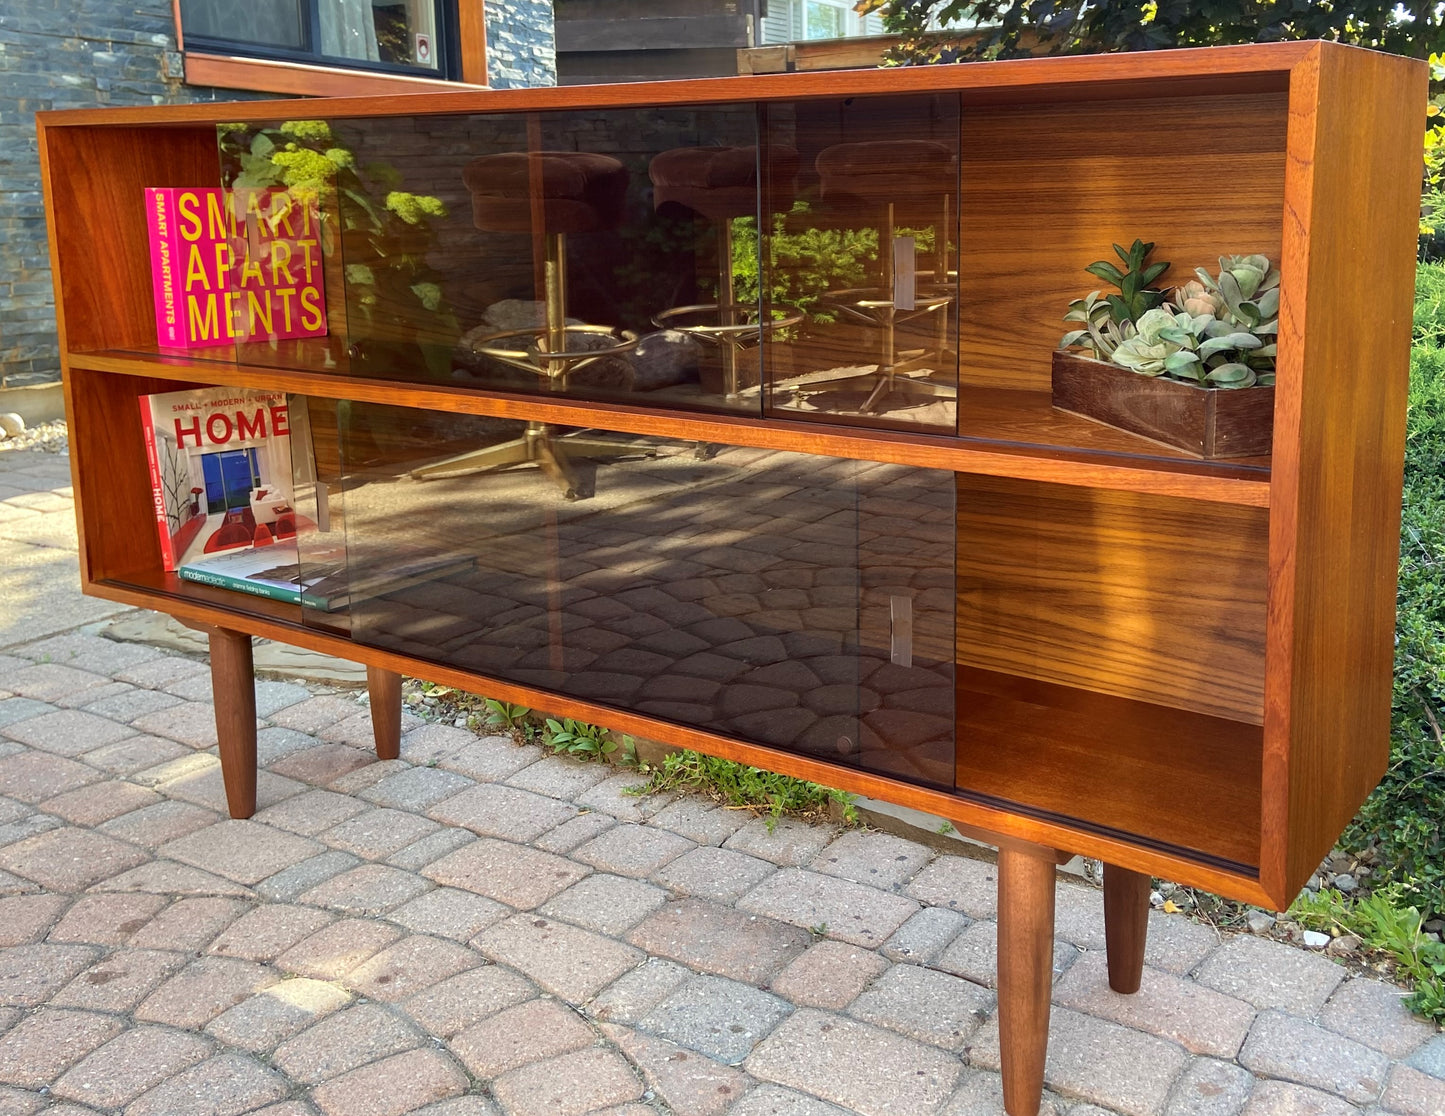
(1384, 923)
(1430, 305)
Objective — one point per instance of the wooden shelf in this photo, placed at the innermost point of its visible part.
(1167, 777)
(1004, 433)
(163, 586)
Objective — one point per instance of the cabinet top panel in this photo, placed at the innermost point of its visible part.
(1263, 67)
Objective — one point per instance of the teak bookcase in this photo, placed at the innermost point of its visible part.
(858, 545)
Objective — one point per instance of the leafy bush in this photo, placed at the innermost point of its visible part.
(578, 739)
(1383, 922)
(807, 261)
(1430, 306)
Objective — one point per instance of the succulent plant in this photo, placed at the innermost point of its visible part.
(1216, 331)
(1195, 298)
(1249, 288)
(1101, 335)
(1136, 297)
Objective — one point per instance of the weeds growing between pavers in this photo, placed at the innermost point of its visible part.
(732, 784)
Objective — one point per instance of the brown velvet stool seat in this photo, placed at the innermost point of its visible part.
(567, 192)
(718, 184)
(886, 183)
(580, 191)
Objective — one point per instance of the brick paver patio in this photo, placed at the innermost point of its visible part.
(478, 928)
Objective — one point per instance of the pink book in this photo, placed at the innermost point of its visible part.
(231, 267)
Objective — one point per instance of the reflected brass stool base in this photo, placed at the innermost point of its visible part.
(539, 445)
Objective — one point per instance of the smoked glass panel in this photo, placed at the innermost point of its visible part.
(790, 600)
(319, 498)
(867, 254)
(599, 254)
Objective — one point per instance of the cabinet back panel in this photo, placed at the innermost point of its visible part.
(1142, 597)
(1046, 189)
(97, 202)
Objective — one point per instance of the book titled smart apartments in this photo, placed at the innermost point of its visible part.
(234, 266)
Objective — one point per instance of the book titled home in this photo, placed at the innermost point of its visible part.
(231, 266)
(313, 572)
(220, 468)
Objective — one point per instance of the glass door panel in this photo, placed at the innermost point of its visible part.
(867, 253)
(611, 254)
(779, 598)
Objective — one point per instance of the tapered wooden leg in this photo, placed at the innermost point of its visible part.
(233, 688)
(384, 686)
(1126, 925)
(1025, 971)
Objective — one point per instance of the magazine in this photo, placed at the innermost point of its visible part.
(220, 468)
(231, 266)
(317, 576)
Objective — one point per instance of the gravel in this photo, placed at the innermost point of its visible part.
(49, 437)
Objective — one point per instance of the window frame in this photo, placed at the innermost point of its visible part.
(219, 63)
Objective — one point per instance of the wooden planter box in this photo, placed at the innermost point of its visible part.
(1212, 422)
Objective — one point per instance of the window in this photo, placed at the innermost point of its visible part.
(415, 37)
(788, 21)
(824, 20)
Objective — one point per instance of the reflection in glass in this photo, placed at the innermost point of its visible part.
(796, 601)
(401, 32)
(869, 250)
(264, 22)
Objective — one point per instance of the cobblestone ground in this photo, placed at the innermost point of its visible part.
(477, 928)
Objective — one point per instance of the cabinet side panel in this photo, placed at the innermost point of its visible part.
(1352, 205)
(97, 178)
(113, 484)
(1046, 189)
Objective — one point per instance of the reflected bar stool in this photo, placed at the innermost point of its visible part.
(896, 181)
(718, 184)
(567, 192)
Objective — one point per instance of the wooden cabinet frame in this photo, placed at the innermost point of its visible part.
(1326, 506)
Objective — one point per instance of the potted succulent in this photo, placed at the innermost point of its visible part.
(1192, 367)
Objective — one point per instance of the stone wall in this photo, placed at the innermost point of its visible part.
(521, 45)
(127, 56)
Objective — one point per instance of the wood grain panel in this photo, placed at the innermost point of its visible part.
(296, 79)
(112, 479)
(1138, 596)
(1048, 188)
(1351, 201)
(97, 215)
(1017, 421)
(472, 28)
(1110, 762)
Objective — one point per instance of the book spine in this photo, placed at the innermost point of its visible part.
(202, 222)
(240, 584)
(160, 223)
(158, 491)
(322, 604)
